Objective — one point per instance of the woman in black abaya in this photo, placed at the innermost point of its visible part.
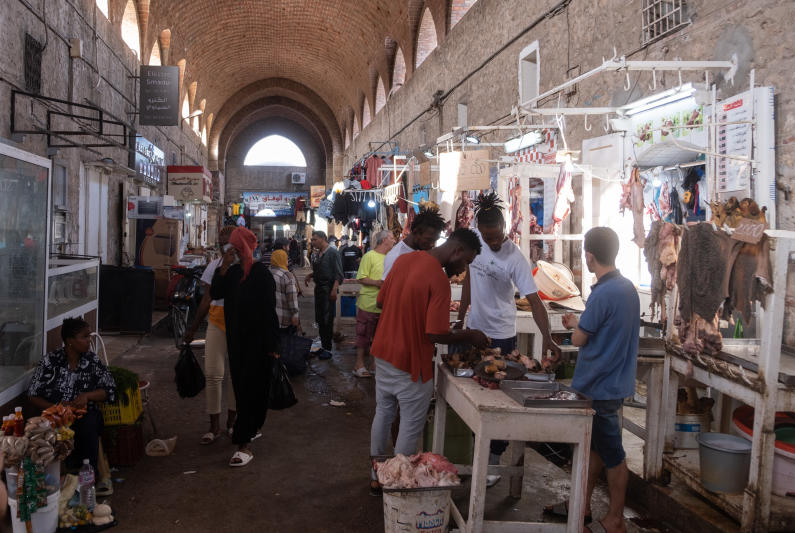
(252, 335)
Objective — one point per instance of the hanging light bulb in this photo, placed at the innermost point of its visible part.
(371, 204)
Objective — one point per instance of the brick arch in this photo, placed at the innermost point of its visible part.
(255, 127)
(267, 106)
(273, 87)
(457, 9)
(131, 27)
(427, 39)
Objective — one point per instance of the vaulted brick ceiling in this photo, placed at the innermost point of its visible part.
(333, 48)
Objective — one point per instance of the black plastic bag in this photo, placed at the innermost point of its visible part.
(294, 353)
(281, 395)
(188, 374)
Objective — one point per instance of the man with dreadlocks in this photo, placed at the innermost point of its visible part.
(489, 287)
(425, 231)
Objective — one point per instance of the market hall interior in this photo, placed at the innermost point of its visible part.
(129, 137)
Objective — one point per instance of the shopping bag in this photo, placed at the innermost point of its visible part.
(294, 353)
(188, 374)
(281, 395)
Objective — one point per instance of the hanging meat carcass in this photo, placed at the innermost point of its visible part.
(636, 193)
(661, 250)
(565, 196)
(465, 212)
(515, 194)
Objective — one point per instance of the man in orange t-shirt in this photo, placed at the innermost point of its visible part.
(415, 302)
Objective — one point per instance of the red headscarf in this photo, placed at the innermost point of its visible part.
(244, 242)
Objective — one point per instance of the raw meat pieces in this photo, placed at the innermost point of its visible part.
(418, 471)
(661, 249)
(465, 212)
(564, 199)
(636, 194)
(516, 211)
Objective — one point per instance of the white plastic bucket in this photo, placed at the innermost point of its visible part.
(687, 428)
(45, 520)
(417, 510)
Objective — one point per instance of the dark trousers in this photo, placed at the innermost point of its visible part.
(87, 431)
(251, 375)
(506, 346)
(324, 314)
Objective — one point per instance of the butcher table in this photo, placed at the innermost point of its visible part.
(492, 415)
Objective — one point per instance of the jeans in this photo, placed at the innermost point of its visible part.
(395, 388)
(324, 314)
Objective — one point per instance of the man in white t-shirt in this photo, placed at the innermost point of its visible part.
(490, 285)
(425, 231)
(215, 356)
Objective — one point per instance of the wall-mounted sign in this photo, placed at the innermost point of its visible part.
(150, 161)
(190, 184)
(464, 171)
(317, 192)
(272, 204)
(159, 96)
(144, 206)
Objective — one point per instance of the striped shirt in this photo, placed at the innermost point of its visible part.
(286, 297)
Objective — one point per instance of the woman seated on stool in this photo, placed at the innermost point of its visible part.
(74, 375)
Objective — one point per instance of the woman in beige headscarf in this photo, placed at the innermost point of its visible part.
(286, 293)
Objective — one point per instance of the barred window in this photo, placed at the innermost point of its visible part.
(661, 18)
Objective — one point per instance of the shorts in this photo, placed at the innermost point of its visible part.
(606, 434)
(366, 323)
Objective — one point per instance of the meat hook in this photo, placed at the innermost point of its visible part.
(628, 84)
(680, 80)
(653, 87)
(586, 126)
(607, 125)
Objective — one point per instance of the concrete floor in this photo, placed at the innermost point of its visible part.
(310, 469)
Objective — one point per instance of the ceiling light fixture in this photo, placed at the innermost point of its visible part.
(471, 139)
(526, 140)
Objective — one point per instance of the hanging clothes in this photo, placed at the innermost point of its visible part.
(373, 166)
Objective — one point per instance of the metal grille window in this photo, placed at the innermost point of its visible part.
(33, 52)
(662, 17)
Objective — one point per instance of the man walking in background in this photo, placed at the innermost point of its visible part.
(371, 270)
(327, 275)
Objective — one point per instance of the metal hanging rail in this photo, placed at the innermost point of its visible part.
(619, 64)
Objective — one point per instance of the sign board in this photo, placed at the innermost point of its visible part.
(272, 204)
(316, 192)
(159, 96)
(464, 171)
(749, 231)
(190, 184)
(734, 139)
(144, 206)
(149, 161)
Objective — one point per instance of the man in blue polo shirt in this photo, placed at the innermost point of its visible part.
(607, 335)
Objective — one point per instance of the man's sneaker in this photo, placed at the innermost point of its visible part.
(492, 479)
(324, 355)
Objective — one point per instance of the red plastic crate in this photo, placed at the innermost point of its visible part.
(124, 445)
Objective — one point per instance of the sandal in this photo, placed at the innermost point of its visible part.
(209, 437)
(561, 510)
(241, 458)
(362, 372)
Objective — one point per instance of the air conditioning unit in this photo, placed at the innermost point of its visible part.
(299, 178)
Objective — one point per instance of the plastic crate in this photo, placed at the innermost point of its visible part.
(116, 414)
(124, 445)
(348, 306)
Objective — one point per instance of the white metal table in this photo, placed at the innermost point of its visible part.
(492, 415)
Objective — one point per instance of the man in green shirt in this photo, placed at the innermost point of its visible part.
(371, 271)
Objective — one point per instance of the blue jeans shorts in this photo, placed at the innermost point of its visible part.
(606, 434)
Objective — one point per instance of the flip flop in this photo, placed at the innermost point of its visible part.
(244, 458)
(209, 437)
(561, 510)
(362, 372)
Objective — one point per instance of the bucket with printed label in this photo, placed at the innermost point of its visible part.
(425, 510)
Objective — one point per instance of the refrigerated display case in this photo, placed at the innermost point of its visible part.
(24, 242)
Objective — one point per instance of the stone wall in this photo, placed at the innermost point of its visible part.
(576, 40)
(103, 76)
